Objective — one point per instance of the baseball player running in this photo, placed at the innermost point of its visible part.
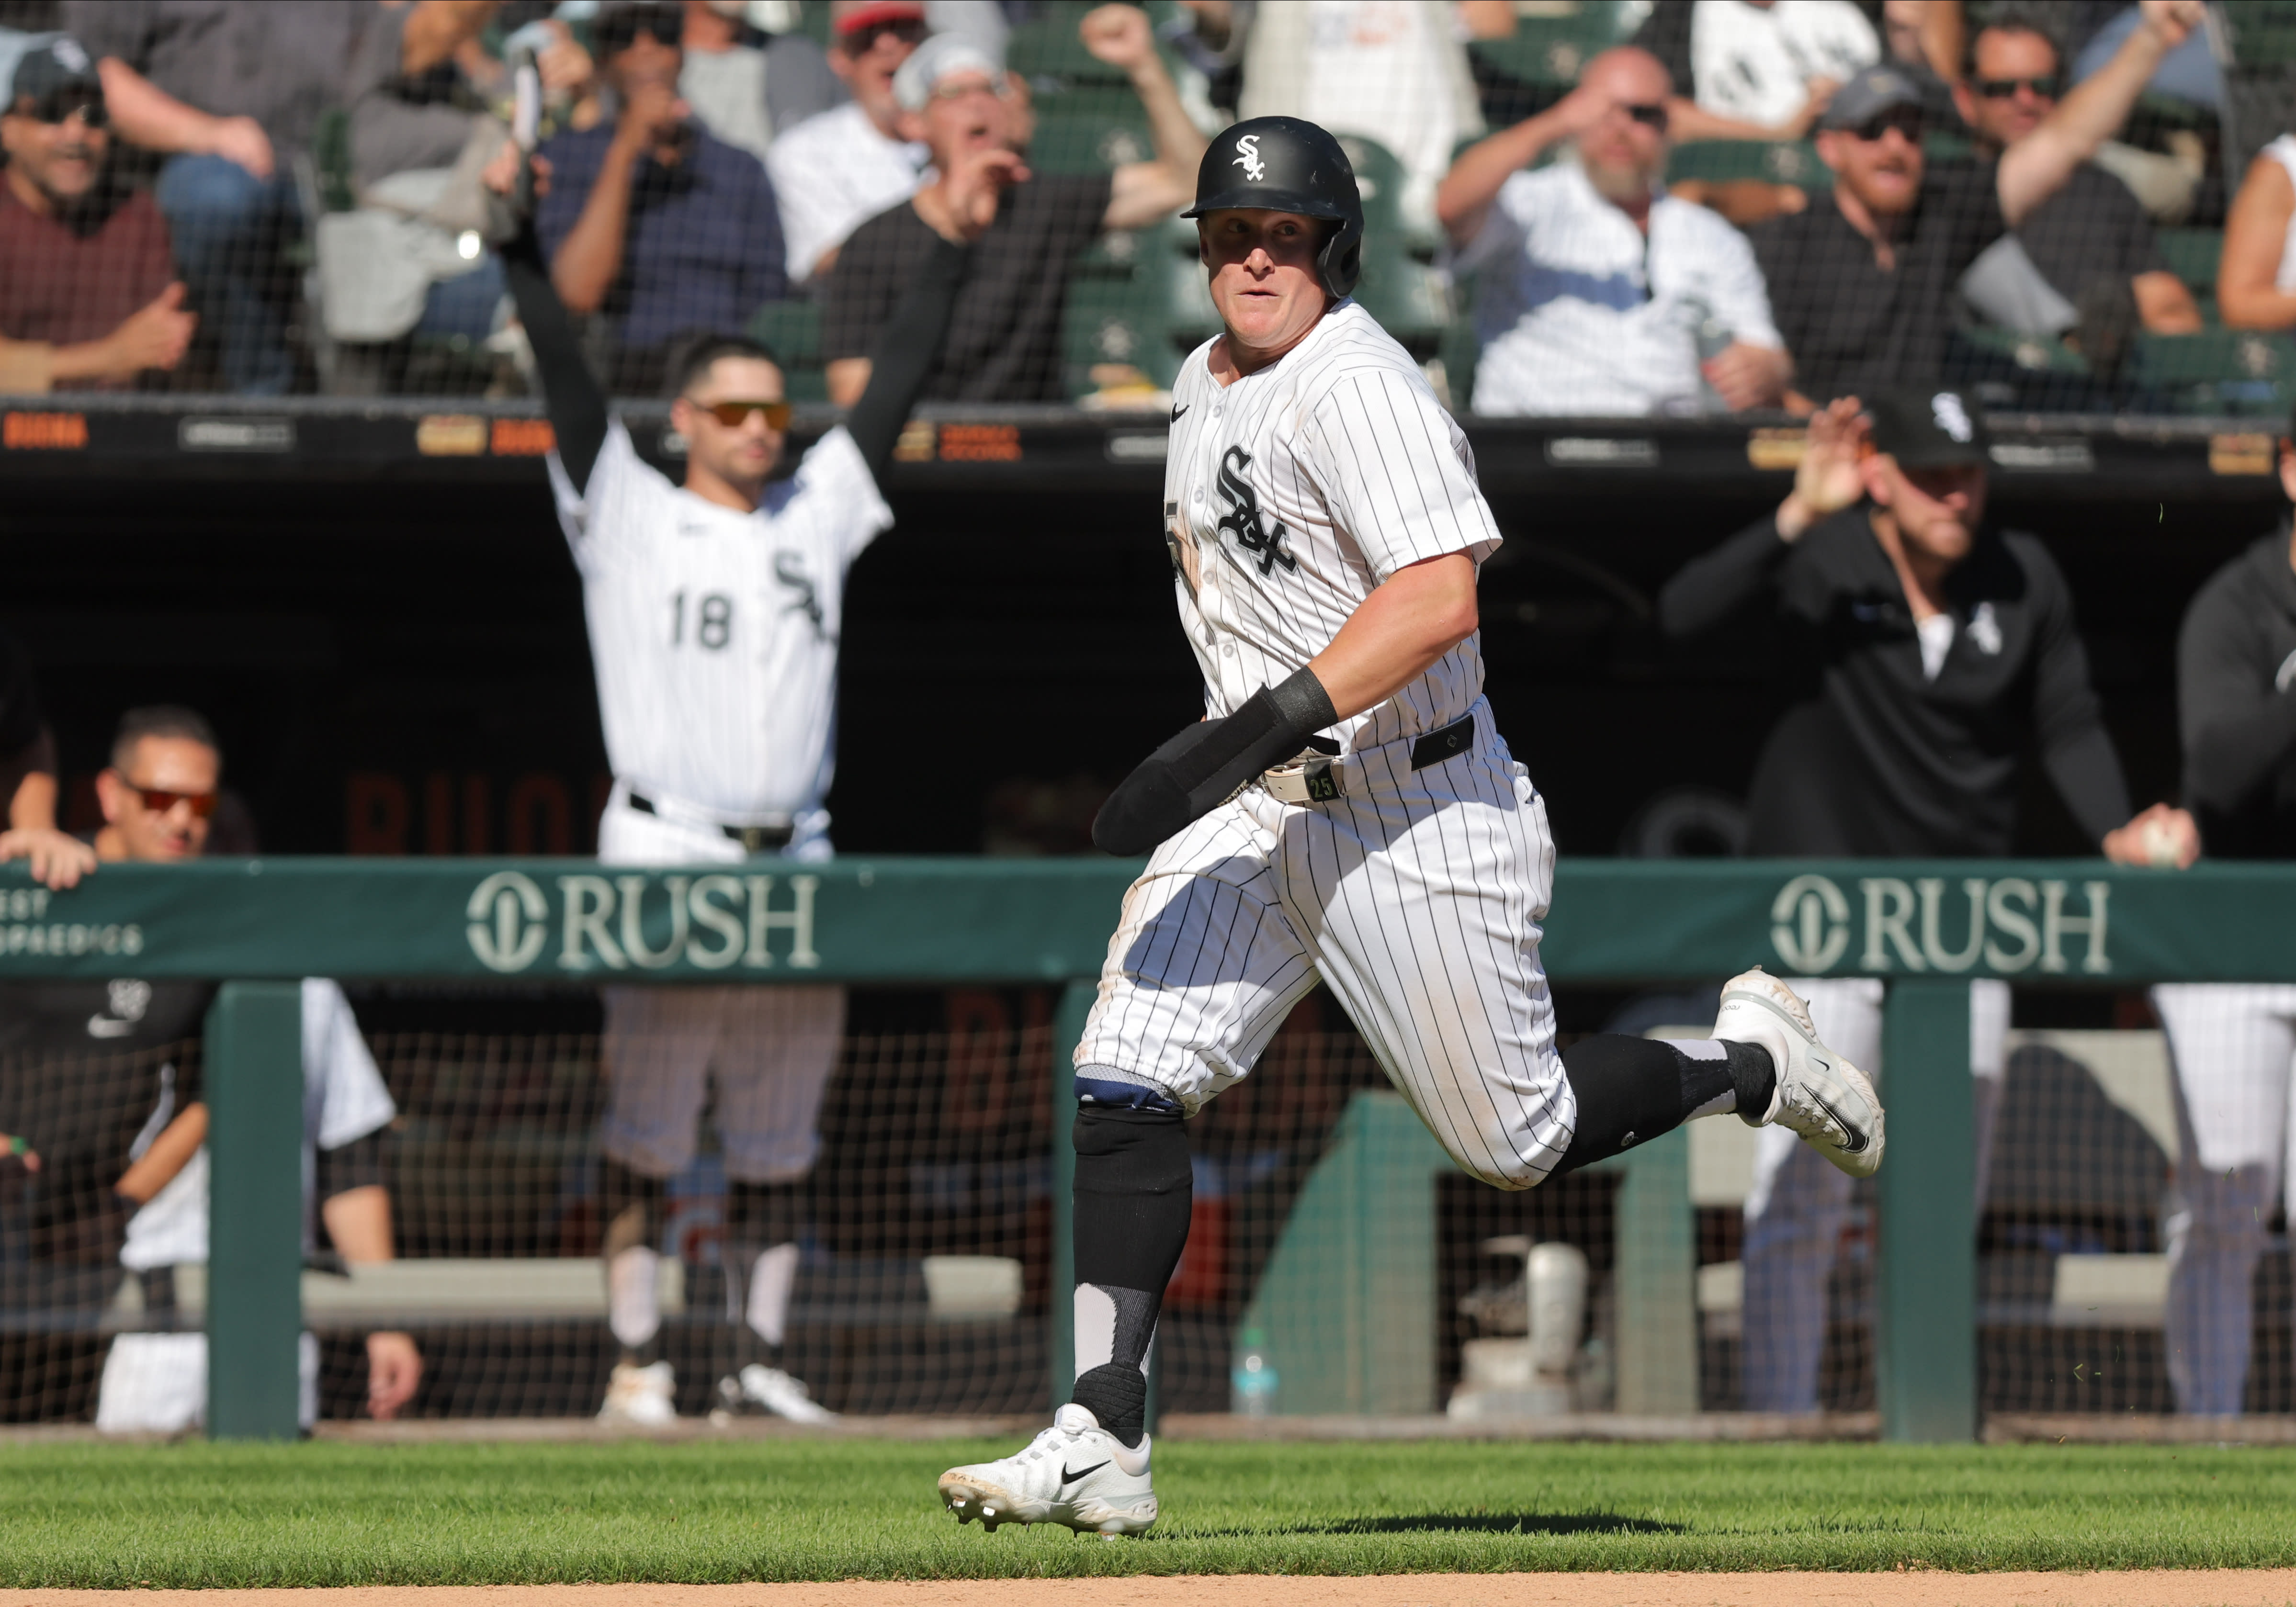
(2232, 1045)
(714, 610)
(1346, 813)
(1928, 650)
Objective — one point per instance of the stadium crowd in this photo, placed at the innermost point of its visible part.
(1732, 206)
(269, 199)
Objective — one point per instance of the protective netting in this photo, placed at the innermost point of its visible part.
(1336, 1264)
(343, 241)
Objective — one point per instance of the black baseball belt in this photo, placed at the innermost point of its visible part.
(754, 839)
(1312, 777)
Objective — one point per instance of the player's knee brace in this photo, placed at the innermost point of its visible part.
(1133, 1191)
(629, 1206)
(767, 1213)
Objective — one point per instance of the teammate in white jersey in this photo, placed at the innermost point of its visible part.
(1345, 813)
(714, 610)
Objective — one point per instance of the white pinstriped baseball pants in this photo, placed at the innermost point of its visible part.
(1799, 1203)
(1417, 898)
(2232, 1051)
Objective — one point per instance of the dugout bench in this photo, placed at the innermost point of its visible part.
(1926, 928)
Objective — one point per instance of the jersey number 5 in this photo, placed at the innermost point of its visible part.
(713, 620)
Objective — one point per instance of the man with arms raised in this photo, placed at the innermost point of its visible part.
(1346, 813)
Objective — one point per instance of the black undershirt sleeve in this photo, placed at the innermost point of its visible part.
(1708, 590)
(358, 1164)
(2237, 736)
(577, 407)
(2075, 751)
(906, 355)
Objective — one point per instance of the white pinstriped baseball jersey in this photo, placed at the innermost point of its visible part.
(1291, 494)
(714, 633)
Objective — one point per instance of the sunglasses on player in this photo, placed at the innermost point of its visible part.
(160, 800)
(2044, 88)
(734, 414)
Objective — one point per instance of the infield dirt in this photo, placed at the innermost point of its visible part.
(2211, 1587)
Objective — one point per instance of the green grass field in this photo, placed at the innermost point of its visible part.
(198, 1515)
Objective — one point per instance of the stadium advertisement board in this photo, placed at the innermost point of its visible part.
(967, 920)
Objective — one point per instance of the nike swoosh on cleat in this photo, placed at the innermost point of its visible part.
(1856, 1142)
(1067, 1478)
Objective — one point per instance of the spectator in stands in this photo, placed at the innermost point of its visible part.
(1929, 653)
(835, 171)
(89, 297)
(655, 227)
(231, 92)
(1396, 74)
(1925, 39)
(1600, 292)
(1861, 284)
(27, 779)
(412, 260)
(2090, 241)
(125, 1130)
(1757, 69)
(2256, 278)
(748, 86)
(1003, 341)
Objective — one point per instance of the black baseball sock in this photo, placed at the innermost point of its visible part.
(1134, 1192)
(629, 1208)
(1630, 1090)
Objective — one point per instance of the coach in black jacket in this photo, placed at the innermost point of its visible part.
(1928, 652)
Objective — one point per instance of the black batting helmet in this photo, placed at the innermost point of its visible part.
(1282, 164)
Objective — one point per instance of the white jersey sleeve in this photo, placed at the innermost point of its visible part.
(626, 500)
(834, 482)
(1396, 471)
(343, 1094)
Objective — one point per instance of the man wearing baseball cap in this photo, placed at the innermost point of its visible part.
(1003, 341)
(1861, 287)
(1928, 652)
(88, 295)
(834, 171)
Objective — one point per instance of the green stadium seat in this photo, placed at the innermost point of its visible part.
(1726, 161)
(2262, 33)
(330, 159)
(1068, 141)
(1118, 324)
(2219, 370)
(793, 329)
(2192, 255)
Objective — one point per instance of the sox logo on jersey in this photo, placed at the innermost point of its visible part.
(1242, 520)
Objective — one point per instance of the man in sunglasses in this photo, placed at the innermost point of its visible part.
(1863, 285)
(112, 1123)
(834, 172)
(1597, 288)
(715, 609)
(2090, 238)
(89, 297)
(654, 226)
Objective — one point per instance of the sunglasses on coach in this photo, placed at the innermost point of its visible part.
(62, 105)
(734, 414)
(160, 800)
(2044, 88)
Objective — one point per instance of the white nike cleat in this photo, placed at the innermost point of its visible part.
(783, 1396)
(1829, 1103)
(1075, 1473)
(640, 1397)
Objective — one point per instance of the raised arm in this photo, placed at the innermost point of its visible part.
(589, 259)
(1142, 192)
(910, 345)
(2038, 166)
(1464, 200)
(1709, 589)
(2255, 236)
(571, 395)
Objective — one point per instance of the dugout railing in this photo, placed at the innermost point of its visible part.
(1924, 928)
